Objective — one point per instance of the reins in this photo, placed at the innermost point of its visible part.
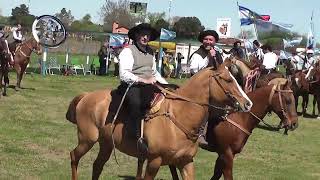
(24, 54)
(275, 88)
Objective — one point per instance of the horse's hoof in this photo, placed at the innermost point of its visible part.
(318, 117)
(17, 89)
(4, 94)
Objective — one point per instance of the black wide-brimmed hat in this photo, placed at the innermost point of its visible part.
(208, 33)
(154, 34)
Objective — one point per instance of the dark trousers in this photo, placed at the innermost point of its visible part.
(178, 70)
(103, 66)
(116, 69)
(138, 100)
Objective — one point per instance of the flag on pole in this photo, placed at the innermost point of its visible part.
(311, 44)
(116, 40)
(310, 41)
(291, 43)
(247, 16)
(167, 35)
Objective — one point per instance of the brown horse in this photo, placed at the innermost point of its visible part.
(4, 68)
(243, 68)
(313, 79)
(171, 134)
(229, 136)
(22, 57)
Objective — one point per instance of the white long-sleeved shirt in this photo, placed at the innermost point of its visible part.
(298, 62)
(126, 62)
(17, 35)
(197, 63)
(270, 60)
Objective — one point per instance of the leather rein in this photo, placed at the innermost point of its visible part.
(24, 54)
(191, 135)
(275, 88)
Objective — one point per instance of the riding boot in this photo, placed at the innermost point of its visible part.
(202, 134)
(142, 145)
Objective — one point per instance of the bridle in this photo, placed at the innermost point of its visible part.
(191, 135)
(227, 93)
(275, 88)
(33, 49)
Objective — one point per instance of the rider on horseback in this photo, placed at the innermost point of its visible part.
(270, 60)
(206, 56)
(17, 37)
(236, 50)
(138, 68)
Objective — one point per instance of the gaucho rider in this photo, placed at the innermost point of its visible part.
(138, 67)
(17, 37)
(206, 56)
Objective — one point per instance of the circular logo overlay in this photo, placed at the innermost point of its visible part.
(49, 31)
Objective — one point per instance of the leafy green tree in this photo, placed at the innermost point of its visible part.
(161, 23)
(154, 17)
(86, 25)
(22, 16)
(118, 11)
(65, 17)
(87, 19)
(188, 27)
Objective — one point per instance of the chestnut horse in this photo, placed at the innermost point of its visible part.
(243, 68)
(230, 135)
(313, 79)
(171, 133)
(22, 57)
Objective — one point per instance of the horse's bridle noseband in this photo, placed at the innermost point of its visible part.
(31, 48)
(276, 88)
(227, 93)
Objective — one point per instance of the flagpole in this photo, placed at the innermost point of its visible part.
(245, 49)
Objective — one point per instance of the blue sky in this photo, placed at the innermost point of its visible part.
(286, 11)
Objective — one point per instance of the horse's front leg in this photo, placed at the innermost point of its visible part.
(18, 70)
(187, 171)
(139, 169)
(152, 169)
(228, 165)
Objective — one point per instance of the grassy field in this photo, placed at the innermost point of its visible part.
(35, 139)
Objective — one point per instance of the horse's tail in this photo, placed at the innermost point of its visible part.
(71, 113)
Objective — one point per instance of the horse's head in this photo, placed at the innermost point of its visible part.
(282, 103)
(36, 47)
(224, 88)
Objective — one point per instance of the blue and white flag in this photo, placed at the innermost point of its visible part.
(167, 35)
(284, 55)
(310, 42)
(291, 43)
(116, 40)
(284, 25)
(248, 17)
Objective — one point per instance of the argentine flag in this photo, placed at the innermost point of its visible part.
(116, 40)
(167, 35)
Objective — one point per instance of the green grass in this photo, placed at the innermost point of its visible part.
(35, 139)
